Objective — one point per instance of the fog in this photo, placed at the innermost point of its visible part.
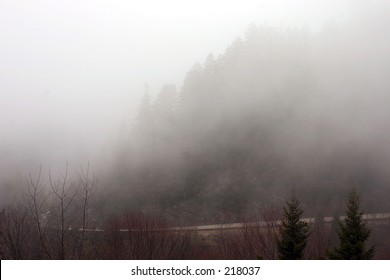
(72, 77)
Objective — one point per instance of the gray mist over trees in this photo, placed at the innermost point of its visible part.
(283, 106)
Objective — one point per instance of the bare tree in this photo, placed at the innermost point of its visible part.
(46, 223)
(64, 193)
(37, 206)
(15, 233)
(87, 189)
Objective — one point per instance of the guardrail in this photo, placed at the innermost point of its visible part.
(376, 218)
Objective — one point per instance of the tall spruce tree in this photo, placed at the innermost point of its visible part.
(353, 233)
(293, 232)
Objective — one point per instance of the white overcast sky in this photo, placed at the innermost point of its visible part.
(71, 71)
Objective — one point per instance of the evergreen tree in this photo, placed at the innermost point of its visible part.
(144, 121)
(293, 232)
(353, 234)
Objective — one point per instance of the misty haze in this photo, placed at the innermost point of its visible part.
(174, 130)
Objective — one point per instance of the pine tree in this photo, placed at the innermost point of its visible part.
(353, 234)
(293, 232)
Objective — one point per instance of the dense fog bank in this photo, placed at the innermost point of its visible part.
(282, 108)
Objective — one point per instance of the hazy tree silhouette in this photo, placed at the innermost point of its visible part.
(353, 233)
(293, 232)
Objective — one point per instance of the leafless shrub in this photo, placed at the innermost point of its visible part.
(16, 234)
(319, 239)
(255, 239)
(137, 236)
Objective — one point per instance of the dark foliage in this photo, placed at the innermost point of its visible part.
(293, 232)
(353, 233)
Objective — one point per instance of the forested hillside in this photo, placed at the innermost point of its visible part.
(281, 109)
